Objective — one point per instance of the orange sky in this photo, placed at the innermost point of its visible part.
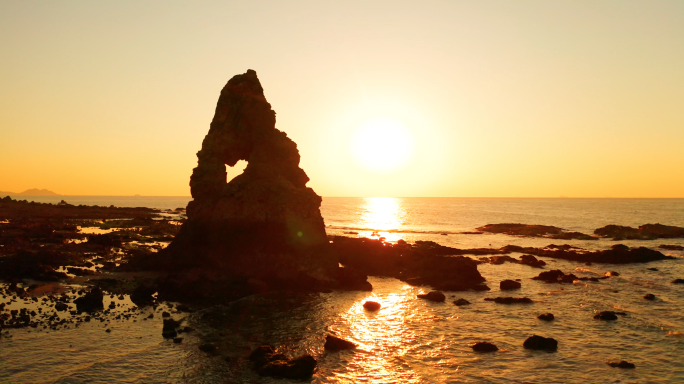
(497, 98)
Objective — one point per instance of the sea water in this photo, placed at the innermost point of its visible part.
(411, 340)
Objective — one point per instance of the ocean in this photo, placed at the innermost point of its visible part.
(411, 340)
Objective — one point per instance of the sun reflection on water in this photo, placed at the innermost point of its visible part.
(384, 337)
(384, 215)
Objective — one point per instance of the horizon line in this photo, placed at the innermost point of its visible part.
(394, 197)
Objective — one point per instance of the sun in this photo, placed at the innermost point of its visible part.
(382, 145)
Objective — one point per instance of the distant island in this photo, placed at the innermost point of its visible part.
(31, 192)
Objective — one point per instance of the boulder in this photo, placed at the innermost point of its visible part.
(678, 281)
(541, 343)
(169, 328)
(333, 343)
(556, 276)
(622, 364)
(546, 316)
(92, 301)
(435, 296)
(509, 284)
(484, 346)
(461, 302)
(510, 300)
(606, 315)
(649, 296)
(371, 306)
(532, 261)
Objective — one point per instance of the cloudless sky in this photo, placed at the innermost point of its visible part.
(500, 98)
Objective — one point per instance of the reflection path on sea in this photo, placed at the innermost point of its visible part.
(383, 214)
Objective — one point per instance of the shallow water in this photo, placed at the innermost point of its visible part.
(412, 340)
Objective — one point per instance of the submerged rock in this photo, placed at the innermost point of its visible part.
(510, 300)
(546, 316)
(649, 296)
(92, 301)
(622, 364)
(435, 296)
(333, 343)
(461, 302)
(606, 315)
(484, 346)
(265, 223)
(541, 343)
(267, 362)
(678, 281)
(556, 276)
(509, 284)
(371, 305)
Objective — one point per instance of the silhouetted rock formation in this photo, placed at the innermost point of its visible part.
(644, 232)
(265, 223)
(483, 346)
(541, 343)
(534, 230)
(618, 254)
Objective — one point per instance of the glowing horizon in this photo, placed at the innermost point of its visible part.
(473, 99)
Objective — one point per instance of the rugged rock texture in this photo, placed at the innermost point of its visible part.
(265, 223)
(644, 232)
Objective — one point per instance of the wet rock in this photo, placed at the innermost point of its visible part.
(672, 247)
(142, 295)
(166, 314)
(532, 230)
(532, 261)
(169, 328)
(556, 276)
(509, 284)
(622, 364)
(262, 355)
(484, 346)
(678, 281)
(263, 224)
(606, 315)
(649, 296)
(300, 368)
(510, 300)
(546, 317)
(644, 232)
(652, 269)
(461, 302)
(208, 347)
(61, 307)
(424, 263)
(618, 254)
(435, 296)
(333, 343)
(541, 343)
(371, 305)
(91, 302)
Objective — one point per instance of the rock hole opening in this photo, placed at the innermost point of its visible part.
(237, 169)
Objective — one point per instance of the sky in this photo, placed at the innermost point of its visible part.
(462, 98)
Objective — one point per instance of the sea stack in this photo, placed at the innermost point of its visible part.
(264, 224)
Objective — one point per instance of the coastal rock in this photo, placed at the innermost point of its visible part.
(371, 306)
(556, 276)
(299, 368)
(169, 328)
(606, 315)
(618, 254)
(546, 317)
(435, 296)
(644, 232)
(541, 343)
(649, 296)
(92, 301)
(678, 281)
(265, 223)
(420, 264)
(484, 346)
(509, 284)
(534, 230)
(461, 302)
(532, 261)
(622, 364)
(672, 247)
(333, 343)
(510, 300)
